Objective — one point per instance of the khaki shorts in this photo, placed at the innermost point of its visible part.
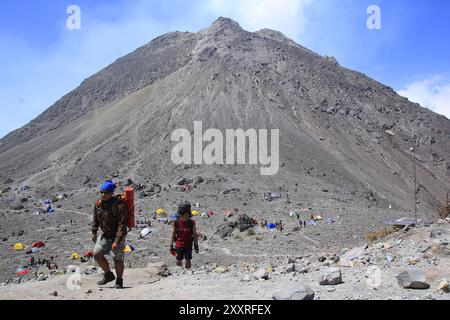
(104, 246)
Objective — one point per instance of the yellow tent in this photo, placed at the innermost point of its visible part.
(18, 246)
(74, 256)
(195, 213)
(160, 211)
(128, 249)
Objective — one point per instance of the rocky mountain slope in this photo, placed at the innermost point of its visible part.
(345, 147)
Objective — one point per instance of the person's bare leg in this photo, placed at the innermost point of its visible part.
(102, 262)
(119, 266)
(188, 264)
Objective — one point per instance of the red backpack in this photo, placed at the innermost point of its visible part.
(128, 198)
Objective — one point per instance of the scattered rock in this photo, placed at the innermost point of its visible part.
(158, 268)
(85, 180)
(182, 181)
(232, 190)
(245, 222)
(298, 291)
(331, 276)
(261, 274)
(220, 270)
(225, 230)
(42, 277)
(18, 206)
(348, 258)
(198, 180)
(290, 268)
(443, 286)
(8, 181)
(54, 293)
(413, 279)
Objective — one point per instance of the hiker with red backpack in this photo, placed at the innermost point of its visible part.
(111, 215)
(184, 235)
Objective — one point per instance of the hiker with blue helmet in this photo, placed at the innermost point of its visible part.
(110, 215)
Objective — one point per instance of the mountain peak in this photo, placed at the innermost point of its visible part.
(226, 23)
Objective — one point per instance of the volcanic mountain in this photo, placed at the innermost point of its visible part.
(342, 134)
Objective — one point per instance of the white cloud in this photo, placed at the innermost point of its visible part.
(432, 93)
(286, 16)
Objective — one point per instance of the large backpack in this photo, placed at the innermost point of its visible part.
(128, 199)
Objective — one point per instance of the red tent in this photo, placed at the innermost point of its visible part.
(89, 254)
(210, 213)
(38, 244)
(23, 272)
(229, 213)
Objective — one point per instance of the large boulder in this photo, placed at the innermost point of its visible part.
(298, 291)
(413, 279)
(245, 222)
(331, 277)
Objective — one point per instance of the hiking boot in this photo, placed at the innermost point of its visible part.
(107, 277)
(119, 283)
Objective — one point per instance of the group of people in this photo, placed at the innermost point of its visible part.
(113, 224)
(50, 264)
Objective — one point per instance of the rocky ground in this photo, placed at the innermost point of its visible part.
(254, 264)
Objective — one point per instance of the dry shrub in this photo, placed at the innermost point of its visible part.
(377, 235)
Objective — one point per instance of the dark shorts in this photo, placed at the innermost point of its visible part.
(184, 253)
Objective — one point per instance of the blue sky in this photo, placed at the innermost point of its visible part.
(41, 60)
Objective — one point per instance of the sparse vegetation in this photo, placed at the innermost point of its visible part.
(372, 237)
(444, 212)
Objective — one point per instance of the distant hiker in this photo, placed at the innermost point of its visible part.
(52, 264)
(184, 235)
(304, 223)
(280, 226)
(32, 261)
(110, 214)
(300, 222)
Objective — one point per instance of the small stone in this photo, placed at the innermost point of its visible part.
(296, 292)
(198, 180)
(443, 286)
(290, 268)
(220, 270)
(261, 274)
(42, 277)
(331, 276)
